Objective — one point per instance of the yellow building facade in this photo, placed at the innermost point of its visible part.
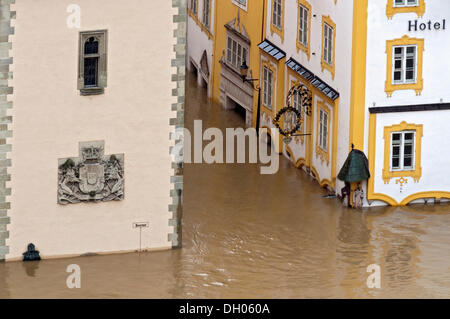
(239, 29)
(368, 68)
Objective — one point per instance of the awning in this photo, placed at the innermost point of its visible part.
(297, 67)
(322, 86)
(356, 168)
(272, 50)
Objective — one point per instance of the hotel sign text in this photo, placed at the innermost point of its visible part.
(416, 26)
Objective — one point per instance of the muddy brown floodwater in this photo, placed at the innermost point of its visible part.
(247, 235)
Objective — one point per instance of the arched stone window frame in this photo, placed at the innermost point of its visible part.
(102, 37)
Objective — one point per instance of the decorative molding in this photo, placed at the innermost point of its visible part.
(240, 5)
(327, 20)
(299, 162)
(6, 74)
(322, 182)
(417, 86)
(180, 18)
(416, 173)
(91, 177)
(391, 10)
(237, 28)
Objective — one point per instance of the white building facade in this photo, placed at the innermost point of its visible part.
(376, 71)
(314, 36)
(407, 101)
(200, 30)
(89, 98)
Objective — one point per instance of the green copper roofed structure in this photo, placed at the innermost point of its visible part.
(356, 168)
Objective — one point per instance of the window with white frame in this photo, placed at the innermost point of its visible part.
(405, 3)
(303, 25)
(206, 12)
(236, 53)
(323, 129)
(328, 44)
(277, 13)
(402, 150)
(267, 87)
(404, 70)
(193, 6)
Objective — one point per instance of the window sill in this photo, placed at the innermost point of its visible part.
(92, 91)
(305, 48)
(391, 88)
(277, 30)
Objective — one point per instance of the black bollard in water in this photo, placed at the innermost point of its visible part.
(31, 254)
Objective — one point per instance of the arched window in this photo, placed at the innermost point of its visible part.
(92, 62)
(91, 57)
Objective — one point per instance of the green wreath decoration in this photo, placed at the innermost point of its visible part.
(288, 133)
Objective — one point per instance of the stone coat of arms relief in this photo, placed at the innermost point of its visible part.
(91, 177)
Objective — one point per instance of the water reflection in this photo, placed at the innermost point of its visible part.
(31, 267)
(248, 235)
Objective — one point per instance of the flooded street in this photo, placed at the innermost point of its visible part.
(247, 235)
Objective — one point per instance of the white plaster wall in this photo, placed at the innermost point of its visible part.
(342, 14)
(436, 64)
(51, 118)
(198, 41)
(435, 163)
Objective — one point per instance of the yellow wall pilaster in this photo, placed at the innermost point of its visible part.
(358, 88)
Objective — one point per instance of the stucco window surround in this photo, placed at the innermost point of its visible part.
(328, 24)
(274, 28)
(392, 9)
(242, 51)
(97, 59)
(416, 172)
(243, 4)
(417, 85)
(323, 151)
(301, 45)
